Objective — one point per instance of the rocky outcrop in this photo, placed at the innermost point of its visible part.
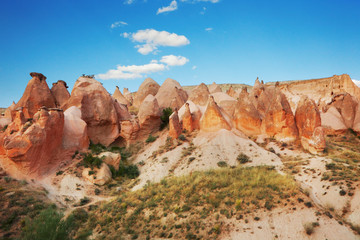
(60, 92)
(307, 118)
(10, 111)
(75, 130)
(278, 121)
(35, 144)
(120, 98)
(122, 111)
(36, 95)
(190, 115)
(226, 102)
(187, 119)
(149, 116)
(171, 94)
(232, 93)
(97, 176)
(213, 120)
(129, 130)
(200, 95)
(97, 110)
(149, 86)
(214, 88)
(174, 125)
(111, 159)
(332, 120)
(127, 94)
(246, 117)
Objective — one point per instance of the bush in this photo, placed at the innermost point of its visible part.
(222, 164)
(242, 158)
(96, 148)
(182, 137)
(309, 227)
(48, 225)
(89, 161)
(165, 117)
(130, 171)
(150, 139)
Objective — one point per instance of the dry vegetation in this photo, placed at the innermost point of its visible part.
(193, 206)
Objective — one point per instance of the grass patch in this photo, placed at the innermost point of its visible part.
(196, 199)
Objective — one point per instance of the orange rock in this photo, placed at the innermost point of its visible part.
(149, 117)
(97, 110)
(213, 119)
(316, 144)
(246, 117)
(60, 92)
(279, 120)
(10, 111)
(187, 119)
(174, 125)
(232, 93)
(34, 146)
(120, 98)
(200, 95)
(149, 86)
(36, 95)
(127, 94)
(307, 117)
(129, 130)
(75, 130)
(171, 94)
(214, 88)
(226, 102)
(122, 111)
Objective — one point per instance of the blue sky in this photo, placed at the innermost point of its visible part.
(191, 41)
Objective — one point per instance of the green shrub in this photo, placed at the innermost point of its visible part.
(165, 117)
(150, 139)
(130, 171)
(4, 128)
(96, 148)
(242, 158)
(48, 225)
(89, 161)
(222, 164)
(182, 137)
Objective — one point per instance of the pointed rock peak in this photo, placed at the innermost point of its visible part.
(187, 107)
(277, 84)
(126, 91)
(40, 76)
(213, 120)
(213, 88)
(244, 90)
(174, 125)
(117, 87)
(60, 82)
(257, 82)
(262, 81)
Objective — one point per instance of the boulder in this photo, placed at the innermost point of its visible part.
(246, 117)
(214, 88)
(213, 120)
(174, 125)
(111, 159)
(149, 116)
(171, 94)
(75, 130)
(34, 146)
(149, 86)
(98, 176)
(226, 102)
(97, 110)
(60, 92)
(316, 144)
(36, 95)
(120, 98)
(200, 95)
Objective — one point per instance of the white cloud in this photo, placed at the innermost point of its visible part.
(172, 60)
(203, 11)
(194, 67)
(357, 82)
(195, 1)
(139, 71)
(152, 39)
(172, 7)
(208, 29)
(118, 24)
(132, 71)
(128, 2)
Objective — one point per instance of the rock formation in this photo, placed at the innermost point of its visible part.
(171, 94)
(187, 119)
(75, 130)
(120, 98)
(214, 88)
(36, 95)
(10, 111)
(149, 86)
(200, 95)
(101, 177)
(307, 118)
(232, 93)
(97, 110)
(149, 116)
(32, 147)
(190, 115)
(226, 102)
(60, 92)
(332, 120)
(129, 130)
(111, 159)
(127, 94)
(174, 125)
(246, 117)
(213, 119)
